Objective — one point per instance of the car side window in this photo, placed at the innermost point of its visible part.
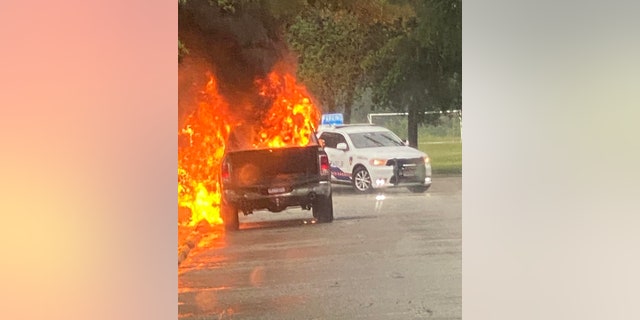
(330, 140)
(340, 139)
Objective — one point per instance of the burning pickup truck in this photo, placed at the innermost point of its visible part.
(274, 179)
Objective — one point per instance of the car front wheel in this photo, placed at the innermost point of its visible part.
(362, 180)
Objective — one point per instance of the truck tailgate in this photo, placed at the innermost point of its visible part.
(273, 167)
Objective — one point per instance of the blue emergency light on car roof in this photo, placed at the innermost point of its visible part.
(332, 119)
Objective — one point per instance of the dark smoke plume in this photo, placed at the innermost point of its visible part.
(238, 47)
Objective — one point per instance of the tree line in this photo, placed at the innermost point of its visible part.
(406, 53)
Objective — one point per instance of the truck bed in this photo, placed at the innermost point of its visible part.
(273, 167)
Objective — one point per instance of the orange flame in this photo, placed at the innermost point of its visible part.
(204, 136)
(290, 121)
(291, 118)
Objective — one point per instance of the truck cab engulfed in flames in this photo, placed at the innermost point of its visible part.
(231, 160)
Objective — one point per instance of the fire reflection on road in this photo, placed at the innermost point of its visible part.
(205, 282)
(257, 276)
(224, 266)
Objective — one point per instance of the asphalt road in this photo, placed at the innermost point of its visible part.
(397, 257)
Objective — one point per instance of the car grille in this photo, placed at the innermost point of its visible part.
(402, 162)
(407, 170)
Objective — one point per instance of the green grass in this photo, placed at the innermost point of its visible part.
(445, 153)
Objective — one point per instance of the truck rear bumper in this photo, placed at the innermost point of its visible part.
(248, 201)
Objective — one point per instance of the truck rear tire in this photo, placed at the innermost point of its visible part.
(230, 217)
(322, 209)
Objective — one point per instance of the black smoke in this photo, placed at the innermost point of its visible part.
(238, 45)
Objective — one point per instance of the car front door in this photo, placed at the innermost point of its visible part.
(338, 159)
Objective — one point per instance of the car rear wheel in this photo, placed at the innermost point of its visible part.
(362, 180)
(322, 208)
(230, 217)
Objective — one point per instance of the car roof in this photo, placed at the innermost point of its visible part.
(352, 128)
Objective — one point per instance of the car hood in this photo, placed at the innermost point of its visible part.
(399, 152)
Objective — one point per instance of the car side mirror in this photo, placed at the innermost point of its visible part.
(406, 142)
(342, 146)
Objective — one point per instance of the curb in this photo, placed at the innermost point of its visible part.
(183, 249)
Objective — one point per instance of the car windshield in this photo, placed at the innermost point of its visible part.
(375, 139)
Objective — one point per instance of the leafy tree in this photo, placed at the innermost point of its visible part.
(333, 39)
(331, 45)
(419, 67)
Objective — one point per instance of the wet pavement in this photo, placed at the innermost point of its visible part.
(391, 256)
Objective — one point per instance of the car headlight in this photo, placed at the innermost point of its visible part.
(427, 160)
(378, 162)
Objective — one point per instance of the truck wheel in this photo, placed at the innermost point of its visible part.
(362, 180)
(230, 217)
(322, 208)
(418, 189)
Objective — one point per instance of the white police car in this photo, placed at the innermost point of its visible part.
(371, 157)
